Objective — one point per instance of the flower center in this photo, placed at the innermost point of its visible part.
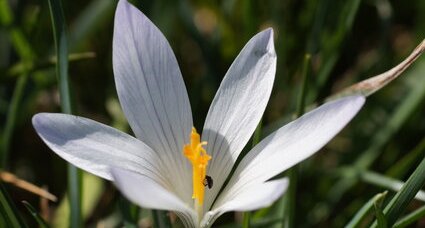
(199, 158)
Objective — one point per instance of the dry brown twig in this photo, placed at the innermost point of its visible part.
(14, 180)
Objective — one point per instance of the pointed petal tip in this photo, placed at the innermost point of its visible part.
(270, 32)
(268, 36)
(122, 12)
(123, 2)
(120, 4)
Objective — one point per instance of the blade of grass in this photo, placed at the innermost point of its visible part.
(129, 211)
(411, 218)
(160, 219)
(20, 67)
(246, 223)
(398, 204)
(364, 211)
(91, 194)
(255, 140)
(379, 214)
(25, 52)
(266, 222)
(10, 214)
(331, 55)
(8, 210)
(250, 23)
(61, 45)
(290, 196)
(399, 168)
(6, 16)
(40, 221)
(303, 93)
(96, 13)
(387, 182)
(13, 109)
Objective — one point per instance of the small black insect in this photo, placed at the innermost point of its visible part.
(208, 181)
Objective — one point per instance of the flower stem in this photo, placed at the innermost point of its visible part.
(289, 211)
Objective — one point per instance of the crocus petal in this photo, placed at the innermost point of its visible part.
(252, 198)
(238, 106)
(151, 91)
(95, 147)
(147, 193)
(292, 143)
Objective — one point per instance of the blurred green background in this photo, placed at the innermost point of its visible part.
(348, 40)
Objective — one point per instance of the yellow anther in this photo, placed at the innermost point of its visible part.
(199, 158)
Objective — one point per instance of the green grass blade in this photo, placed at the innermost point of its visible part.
(25, 52)
(411, 218)
(160, 219)
(8, 210)
(91, 194)
(364, 211)
(61, 44)
(377, 205)
(332, 53)
(387, 182)
(266, 223)
(35, 215)
(96, 13)
(13, 109)
(400, 201)
(303, 93)
(246, 223)
(410, 160)
(255, 140)
(290, 201)
(249, 18)
(45, 64)
(6, 16)
(74, 189)
(129, 211)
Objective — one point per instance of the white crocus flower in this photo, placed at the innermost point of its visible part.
(165, 166)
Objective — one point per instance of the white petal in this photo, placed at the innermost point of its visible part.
(238, 106)
(147, 193)
(93, 146)
(251, 198)
(293, 143)
(151, 90)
